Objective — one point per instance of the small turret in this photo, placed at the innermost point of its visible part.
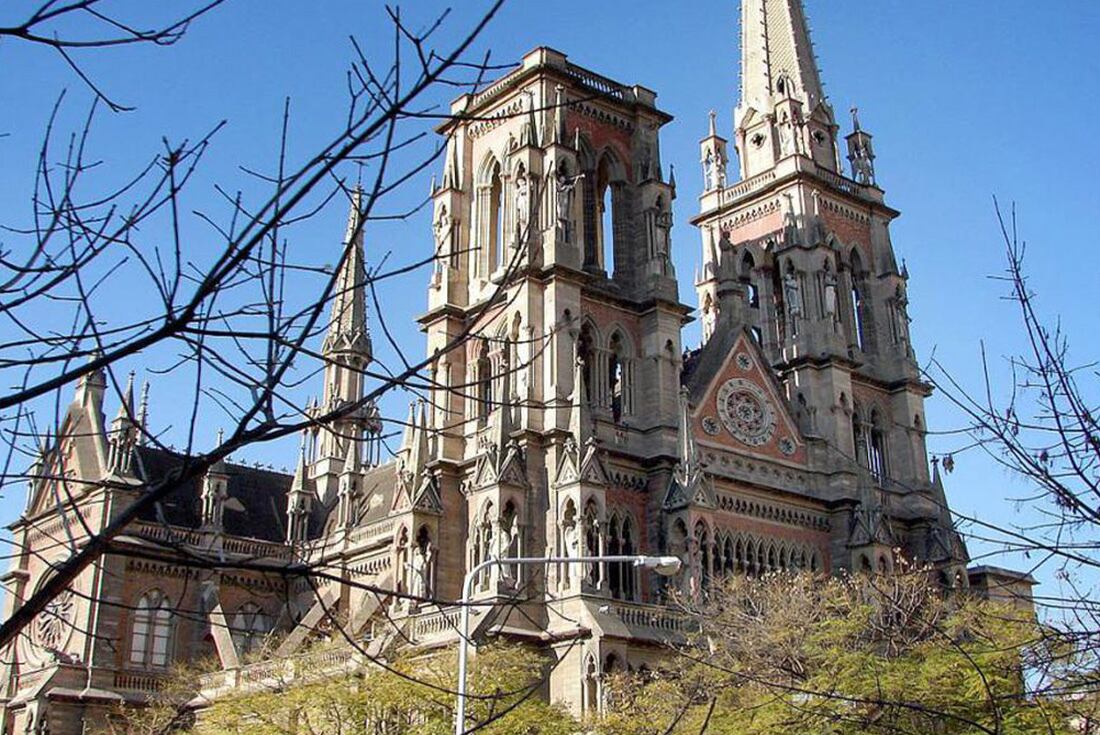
(861, 155)
(299, 503)
(348, 493)
(714, 157)
(123, 438)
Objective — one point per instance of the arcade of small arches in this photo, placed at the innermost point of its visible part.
(609, 369)
(869, 441)
(153, 628)
(509, 201)
(778, 297)
(723, 553)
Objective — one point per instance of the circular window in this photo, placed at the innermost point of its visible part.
(52, 627)
(745, 412)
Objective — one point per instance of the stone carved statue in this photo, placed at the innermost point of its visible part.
(831, 284)
(523, 207)
(563, 197)
(792, 294)
(423, 558)
(786, 137)
(442, 228)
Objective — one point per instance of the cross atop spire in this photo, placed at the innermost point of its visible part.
(777, 58)
(347, 328)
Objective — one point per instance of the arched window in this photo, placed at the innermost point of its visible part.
(483, 542)
(496, 220)
(592, 541)
(586, 352)
(614, 548)
(859, 301)
(729, 557)
(605, 198)
(151, 633)
(877, 449)
(484, 370)
(752, 294)
(250, 627)
(702, 541)
(616, 379)
(859, 437)
(510, 541)
(620, 542)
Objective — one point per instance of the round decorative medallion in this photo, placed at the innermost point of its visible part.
(745, 412)
(52, 627)
(711, 425)
(786, 445)
(743, 360)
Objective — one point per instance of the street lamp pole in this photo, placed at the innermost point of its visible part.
(664, 565)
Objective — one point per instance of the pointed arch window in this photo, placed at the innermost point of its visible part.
(877, 449)
(496, 219)
(615, 378)
(593, 542)
(607, 221)
(859, 436)
(859, 303)
(702, 542)
(481, 546)
(621, 576)
(752, 293)
(250, 627)
(151, 632)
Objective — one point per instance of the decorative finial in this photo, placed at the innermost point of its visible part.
(713, 124)
(672, 175)
(855, 118)
(220, 438)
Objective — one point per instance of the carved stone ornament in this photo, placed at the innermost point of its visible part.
(711, 426)
(53, 626)
(746, 412)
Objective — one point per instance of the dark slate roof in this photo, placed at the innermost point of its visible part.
(260, 510)
(379, 484)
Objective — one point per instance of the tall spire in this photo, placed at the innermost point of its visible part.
(777, 58)
(347, 328)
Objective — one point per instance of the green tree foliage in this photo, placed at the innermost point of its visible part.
(412, 695)
(874, 654)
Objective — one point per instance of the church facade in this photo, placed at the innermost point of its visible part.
(564, 415)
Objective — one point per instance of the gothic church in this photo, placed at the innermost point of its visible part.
(572, 423)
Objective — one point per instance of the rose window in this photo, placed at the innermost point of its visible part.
(746, 412)
(52, 626)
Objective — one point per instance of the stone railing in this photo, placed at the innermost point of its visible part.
(174, 535)
(746, 187)
(258, 549)
(131, 681)
(167, 534)
(656, 619)
(377, 530)
(436, 623)
(598, 83)
(277, 672)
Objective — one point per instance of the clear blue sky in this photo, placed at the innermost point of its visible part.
(966, 100)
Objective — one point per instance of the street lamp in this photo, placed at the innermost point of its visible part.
(666, 566)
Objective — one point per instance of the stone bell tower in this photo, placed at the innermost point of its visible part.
(552, 227)
(799, 253)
